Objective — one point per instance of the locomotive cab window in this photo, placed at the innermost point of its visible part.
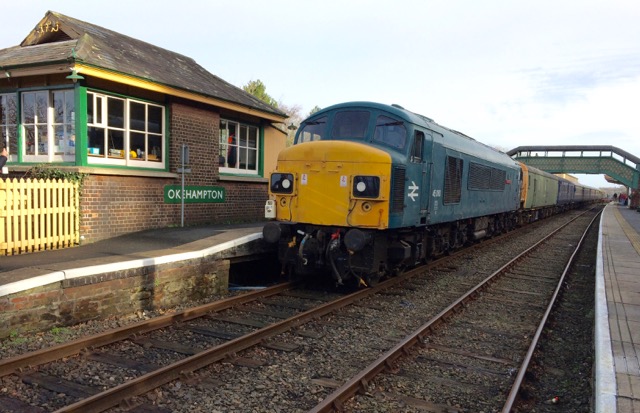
(313, 130)
(390, 132)
(350, 124)
(416, 149)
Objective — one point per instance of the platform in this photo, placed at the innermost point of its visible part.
(617, 327)
(152, 247)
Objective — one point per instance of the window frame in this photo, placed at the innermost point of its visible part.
(64, 143)
(417, 147)
(44, 124)
(103, 119)
(246, 146)
(8, 129)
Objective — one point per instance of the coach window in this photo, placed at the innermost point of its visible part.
(239, 146)
(124, 131)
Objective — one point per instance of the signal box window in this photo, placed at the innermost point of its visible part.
(9, 124)
(124, 131)
(239, 145)
(48, 126)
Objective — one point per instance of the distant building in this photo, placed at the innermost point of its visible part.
(83, 98)
(568, 177)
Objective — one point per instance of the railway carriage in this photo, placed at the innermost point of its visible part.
(566, 193)
(370, 189)
(538, 195)
(544, 194)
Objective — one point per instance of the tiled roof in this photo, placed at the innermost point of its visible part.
(58, 38)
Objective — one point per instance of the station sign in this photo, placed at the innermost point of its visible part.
(173, 194)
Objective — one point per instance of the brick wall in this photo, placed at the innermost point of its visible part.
(120, 293)
(199, 129)
(113, 205)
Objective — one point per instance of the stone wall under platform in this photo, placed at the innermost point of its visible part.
(117, 293)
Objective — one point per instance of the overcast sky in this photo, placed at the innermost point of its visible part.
(507, 73)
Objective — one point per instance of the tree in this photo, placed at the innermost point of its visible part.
(259, 90)
(315, 109)
(294, 117)
(293, 120)
(292, 123)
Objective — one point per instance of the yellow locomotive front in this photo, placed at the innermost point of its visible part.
(337, 197)
(326, 198)
(335, 183)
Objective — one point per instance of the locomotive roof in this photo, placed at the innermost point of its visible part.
(452, 139)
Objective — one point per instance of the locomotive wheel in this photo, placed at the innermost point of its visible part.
(372, 279)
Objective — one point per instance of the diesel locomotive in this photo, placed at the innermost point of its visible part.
(368, 190)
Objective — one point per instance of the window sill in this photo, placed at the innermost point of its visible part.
(92, 170)
(241, 178)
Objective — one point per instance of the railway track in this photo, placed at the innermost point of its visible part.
(250, 334)
(473, 355)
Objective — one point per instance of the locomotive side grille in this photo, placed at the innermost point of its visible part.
(397, 191)
(483, 177)
(498, 179)
(452, 180)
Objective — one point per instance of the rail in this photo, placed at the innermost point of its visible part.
(360, 382)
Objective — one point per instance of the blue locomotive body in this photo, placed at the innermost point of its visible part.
(369, 189)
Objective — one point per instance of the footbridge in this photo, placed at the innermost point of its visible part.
(618, 165)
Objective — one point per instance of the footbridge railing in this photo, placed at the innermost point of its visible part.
(621, 165)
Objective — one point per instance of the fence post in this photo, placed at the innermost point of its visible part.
(3, 217)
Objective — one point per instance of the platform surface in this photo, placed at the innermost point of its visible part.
(618, 312)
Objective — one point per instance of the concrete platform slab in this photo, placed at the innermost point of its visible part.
(618, 312)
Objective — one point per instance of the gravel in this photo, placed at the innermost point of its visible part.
(330, 350)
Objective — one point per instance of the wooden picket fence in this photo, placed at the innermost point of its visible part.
(38, 215)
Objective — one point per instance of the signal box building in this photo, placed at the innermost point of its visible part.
(81, 98)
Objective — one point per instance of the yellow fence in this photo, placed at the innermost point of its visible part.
(38, 215)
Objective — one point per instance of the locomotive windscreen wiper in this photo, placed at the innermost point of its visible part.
(396, 123)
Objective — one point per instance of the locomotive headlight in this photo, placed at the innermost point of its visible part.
(366, 186)
(281, 183)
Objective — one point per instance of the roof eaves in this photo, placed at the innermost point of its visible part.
(173, 90)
